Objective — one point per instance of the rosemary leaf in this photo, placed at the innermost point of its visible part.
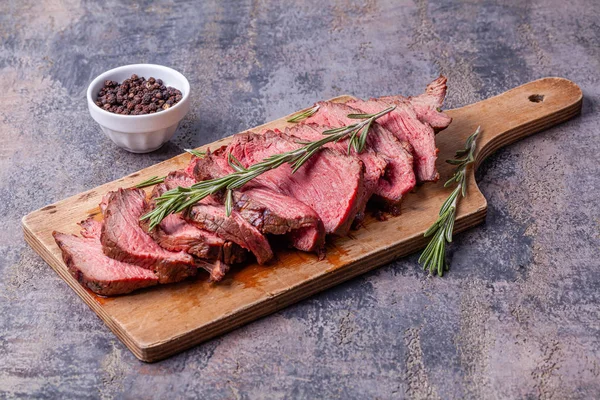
(199, 154)
(433, 257)
(235, 163)
(304, 114)
(228, 202)
(358, 116)
(337, 130)
(150, 182)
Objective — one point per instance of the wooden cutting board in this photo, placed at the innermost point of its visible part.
(161, 321)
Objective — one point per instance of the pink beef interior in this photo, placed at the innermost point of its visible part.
(405, 125)
(330, 183)
(123, 239)
(174, 233)
(268, 210)
(399, 177)
(234, 227)
(428, 104)
(103, 275)
(374, 165)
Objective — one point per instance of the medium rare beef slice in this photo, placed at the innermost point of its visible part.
(268, 210)
(90, 228)
(330, 183)
(428, 105)
(399, 177)
(210, 216)
(326, 118)
(178, 178)
(278, 214)
(174, 233)
(405, 125)
(123, 238)
(231, 252)
(189, 169)
(375, 164)
(234, 228)
(101, 274)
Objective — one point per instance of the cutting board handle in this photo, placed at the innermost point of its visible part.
(518, 113)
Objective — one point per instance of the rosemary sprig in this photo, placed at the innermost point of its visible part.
(196, 153)
(304, 114)
(179, 199)
(434, 255)
(150, 182)
(156, 179)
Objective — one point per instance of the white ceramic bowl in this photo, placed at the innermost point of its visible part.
(140, 133)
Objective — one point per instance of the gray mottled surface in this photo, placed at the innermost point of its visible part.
(517, 316)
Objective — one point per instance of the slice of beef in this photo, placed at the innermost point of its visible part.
(209, 216)
(174, 233)
(399, 177)
(375, 164)
(267, 210)
(330, 183)
(179, 178)
(405, 125)
(189, 169)
(278, 214)
(90, 228)
(123, 238)
(428, 105)
(235, 228)
(101, 274)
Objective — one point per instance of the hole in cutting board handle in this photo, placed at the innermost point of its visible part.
(536, 98)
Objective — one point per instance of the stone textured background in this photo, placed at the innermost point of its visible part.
(517, 316)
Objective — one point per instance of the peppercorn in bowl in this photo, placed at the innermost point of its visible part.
(139, 106)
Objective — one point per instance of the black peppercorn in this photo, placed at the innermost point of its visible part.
(137, 96)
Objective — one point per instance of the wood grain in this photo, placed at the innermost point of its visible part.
(161, 321)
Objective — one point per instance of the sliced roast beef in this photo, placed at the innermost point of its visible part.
(375, 164)
(189, 169)
(399, 177)
(330, 183)
(267, 210)
(93, 269)
(179, 178)
(405, 125)
(212, 217)
(123, 239)
(427, 105)
(174, 233)
(209, 215)
(90, 228)
(278, 214)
